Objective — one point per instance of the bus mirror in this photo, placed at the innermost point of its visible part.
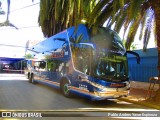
(71, 39)
(136, 54)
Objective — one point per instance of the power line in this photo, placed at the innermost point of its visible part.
(12, 45)
(24, 7)
(25, 27)
(20, 47)
(21, 9)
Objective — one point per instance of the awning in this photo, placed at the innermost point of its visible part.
(7, 60)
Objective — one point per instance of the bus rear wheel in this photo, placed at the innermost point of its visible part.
(28, 75)
(65, 89)
(31, 79)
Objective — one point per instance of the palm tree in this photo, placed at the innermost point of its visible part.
(59, 14)
(7, 22)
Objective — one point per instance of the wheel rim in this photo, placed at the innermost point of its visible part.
(66, 89)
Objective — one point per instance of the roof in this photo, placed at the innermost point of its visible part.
(149, 52)
(7, 60)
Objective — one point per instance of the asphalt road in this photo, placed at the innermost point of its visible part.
(16, 93)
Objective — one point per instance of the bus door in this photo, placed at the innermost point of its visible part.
(82, 60)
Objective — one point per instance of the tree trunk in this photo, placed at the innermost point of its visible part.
(157, 20)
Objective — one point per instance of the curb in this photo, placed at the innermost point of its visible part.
(147, 104)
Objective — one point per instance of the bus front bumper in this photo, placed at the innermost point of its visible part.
(109, 95)
(98, 95)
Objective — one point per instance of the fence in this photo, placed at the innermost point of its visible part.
(147, 67)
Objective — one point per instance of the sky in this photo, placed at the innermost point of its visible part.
(26, 20)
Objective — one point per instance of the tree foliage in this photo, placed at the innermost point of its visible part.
(57, 15)
(29, 56)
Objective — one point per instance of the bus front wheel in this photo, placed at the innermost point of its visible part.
(65, 88)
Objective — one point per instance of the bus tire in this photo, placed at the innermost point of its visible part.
(65, 88)
(32, 79)
(28, 75)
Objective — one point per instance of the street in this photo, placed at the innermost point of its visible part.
(16, 93)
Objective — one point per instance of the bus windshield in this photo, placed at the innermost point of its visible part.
(112, 66)
(108, 40)
(111, 61)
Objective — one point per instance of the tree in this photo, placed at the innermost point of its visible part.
(58, 15)
(29, 56)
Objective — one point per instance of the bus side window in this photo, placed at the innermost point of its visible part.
(36, 66)
(42, 65)
(81, 58)
(51, 65)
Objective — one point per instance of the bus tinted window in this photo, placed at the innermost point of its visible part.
(82, 57)
(39, 65)
(53, 65)
(42, 65)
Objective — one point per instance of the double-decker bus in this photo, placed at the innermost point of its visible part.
(77, 62)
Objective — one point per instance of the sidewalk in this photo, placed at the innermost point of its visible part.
(138, 94)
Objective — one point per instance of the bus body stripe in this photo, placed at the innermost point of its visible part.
(86, 92)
